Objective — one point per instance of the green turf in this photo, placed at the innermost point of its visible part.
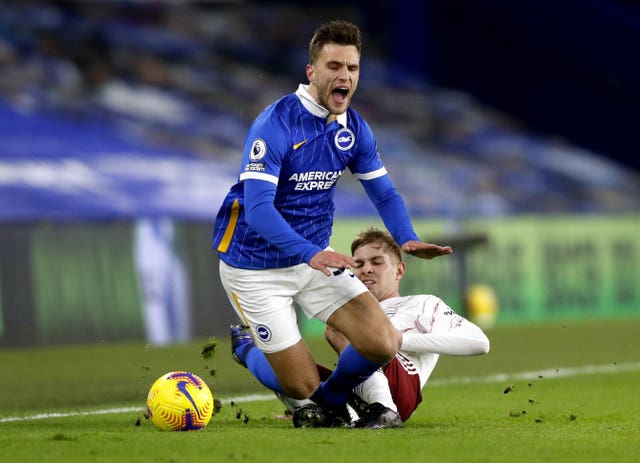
(582, 418)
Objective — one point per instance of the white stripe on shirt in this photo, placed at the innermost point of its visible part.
(371, 175)
(259, 176)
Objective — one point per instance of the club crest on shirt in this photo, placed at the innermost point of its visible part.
(344, 139)
(258, 150)
(263, 332)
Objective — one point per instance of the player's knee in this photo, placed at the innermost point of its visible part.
(391, 346)
(383, 347)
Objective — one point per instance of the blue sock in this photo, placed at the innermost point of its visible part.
(259, 366)
(351, 370)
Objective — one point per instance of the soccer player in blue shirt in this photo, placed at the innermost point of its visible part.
(273, 229)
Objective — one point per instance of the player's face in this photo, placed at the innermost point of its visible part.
(380, 272)
(334, 77)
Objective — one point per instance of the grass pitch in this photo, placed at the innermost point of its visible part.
(556, 393)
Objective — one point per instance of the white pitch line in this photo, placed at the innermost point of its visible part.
(43, 416)
(552, 373)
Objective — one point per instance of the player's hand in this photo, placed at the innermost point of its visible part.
(425, 250)
(329, 261)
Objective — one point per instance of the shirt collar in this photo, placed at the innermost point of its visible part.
(314, 108)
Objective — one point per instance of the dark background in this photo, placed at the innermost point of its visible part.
(569, 68)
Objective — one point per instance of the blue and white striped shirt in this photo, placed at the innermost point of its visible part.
(280, 212)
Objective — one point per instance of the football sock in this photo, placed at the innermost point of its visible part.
(259, 366)
(293, 404)
(376, 389)
(352, 369)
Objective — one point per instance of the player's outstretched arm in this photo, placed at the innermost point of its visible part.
(393, 212)
(443, 331)
(425, 250)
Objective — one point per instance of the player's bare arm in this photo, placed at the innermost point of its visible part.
(425, 250)
(327, 260)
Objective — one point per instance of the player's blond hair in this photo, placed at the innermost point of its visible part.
(382, 238)
(337, 31)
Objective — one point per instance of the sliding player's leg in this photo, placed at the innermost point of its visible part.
(373, 343)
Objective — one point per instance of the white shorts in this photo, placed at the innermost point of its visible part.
(266, 300)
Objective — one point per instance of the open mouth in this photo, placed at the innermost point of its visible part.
(340, 94)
